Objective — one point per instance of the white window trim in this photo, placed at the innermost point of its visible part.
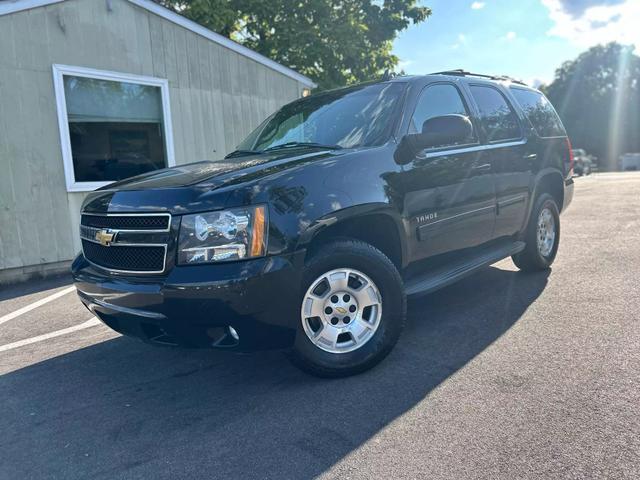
(63, 120)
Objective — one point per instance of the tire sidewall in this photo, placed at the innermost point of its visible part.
(545, 201)
(384, 274)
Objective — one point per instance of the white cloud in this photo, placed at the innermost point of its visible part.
(597, 23)
(477, 5)
(510, 36)
(576, 8)
(462, 40)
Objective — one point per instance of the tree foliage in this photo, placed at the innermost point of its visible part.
(334, 42)
(598, 98)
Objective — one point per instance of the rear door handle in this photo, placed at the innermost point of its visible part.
(482, 168)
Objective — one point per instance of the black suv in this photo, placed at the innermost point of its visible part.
(311, 235)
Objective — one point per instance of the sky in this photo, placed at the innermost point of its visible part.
(525, 39)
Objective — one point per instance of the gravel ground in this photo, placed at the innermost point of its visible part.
(503, 375)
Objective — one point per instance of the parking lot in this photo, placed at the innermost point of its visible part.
(503, 375)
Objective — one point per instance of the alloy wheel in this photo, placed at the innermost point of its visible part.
(546, 232)
(341, 310)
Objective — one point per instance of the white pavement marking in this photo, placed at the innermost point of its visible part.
(31, 306)
(92, 322)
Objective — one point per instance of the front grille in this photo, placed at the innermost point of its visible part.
(127, 222)
(125, 258)
(126, 243)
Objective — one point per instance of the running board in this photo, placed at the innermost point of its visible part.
(441, 277)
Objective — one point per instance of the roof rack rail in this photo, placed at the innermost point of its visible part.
(463, 73)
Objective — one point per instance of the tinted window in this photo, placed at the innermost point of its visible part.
(350, 117)
(498, 118)
(540, 112)
(434, 101)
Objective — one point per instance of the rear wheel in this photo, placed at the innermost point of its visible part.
(542, 236)
(352, 310)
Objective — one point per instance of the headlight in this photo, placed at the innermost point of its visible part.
(225, 235)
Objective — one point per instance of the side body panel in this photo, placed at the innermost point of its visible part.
(447, 203)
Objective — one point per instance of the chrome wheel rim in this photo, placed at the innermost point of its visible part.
(546, 232)
(341, 310)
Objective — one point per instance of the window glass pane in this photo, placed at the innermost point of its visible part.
(435, 101)
(540, 112)
(496, 115)
(115, 128)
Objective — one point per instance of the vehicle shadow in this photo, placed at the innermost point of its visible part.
(125, 409)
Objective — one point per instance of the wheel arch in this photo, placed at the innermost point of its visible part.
(548, 180)
(374, 224)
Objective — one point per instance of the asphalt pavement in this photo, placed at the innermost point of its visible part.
(503, 375)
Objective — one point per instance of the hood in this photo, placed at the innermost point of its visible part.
(196, 186)
(218, 172)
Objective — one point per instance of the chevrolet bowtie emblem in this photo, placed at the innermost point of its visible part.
(105, 237)
(341, 310)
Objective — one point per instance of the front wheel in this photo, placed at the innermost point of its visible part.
(542, 236)
(352, 310)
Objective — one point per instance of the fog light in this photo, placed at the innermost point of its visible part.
(233, 333)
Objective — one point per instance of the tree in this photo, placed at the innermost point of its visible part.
(334, 42)
(598, 98)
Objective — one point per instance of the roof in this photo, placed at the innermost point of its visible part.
(12, 6)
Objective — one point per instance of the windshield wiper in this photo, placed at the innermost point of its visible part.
(302, 144)
(240, 153)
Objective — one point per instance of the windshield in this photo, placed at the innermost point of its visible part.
(347, 118)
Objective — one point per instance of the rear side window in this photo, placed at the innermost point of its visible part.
(540, 112)
(497, 117)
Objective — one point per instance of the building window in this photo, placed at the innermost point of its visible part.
(112, 125)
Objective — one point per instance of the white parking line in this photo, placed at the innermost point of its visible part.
(92, 322)
(31, 306)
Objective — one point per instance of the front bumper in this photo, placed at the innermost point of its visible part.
(194, 306)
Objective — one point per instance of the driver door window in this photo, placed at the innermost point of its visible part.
(435, 101)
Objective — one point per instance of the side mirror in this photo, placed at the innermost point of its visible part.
(436, 132)
(446, 130)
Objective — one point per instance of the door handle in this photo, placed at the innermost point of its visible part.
(482, 168)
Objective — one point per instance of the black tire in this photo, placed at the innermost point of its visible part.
(347, 253)
(531, 259)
